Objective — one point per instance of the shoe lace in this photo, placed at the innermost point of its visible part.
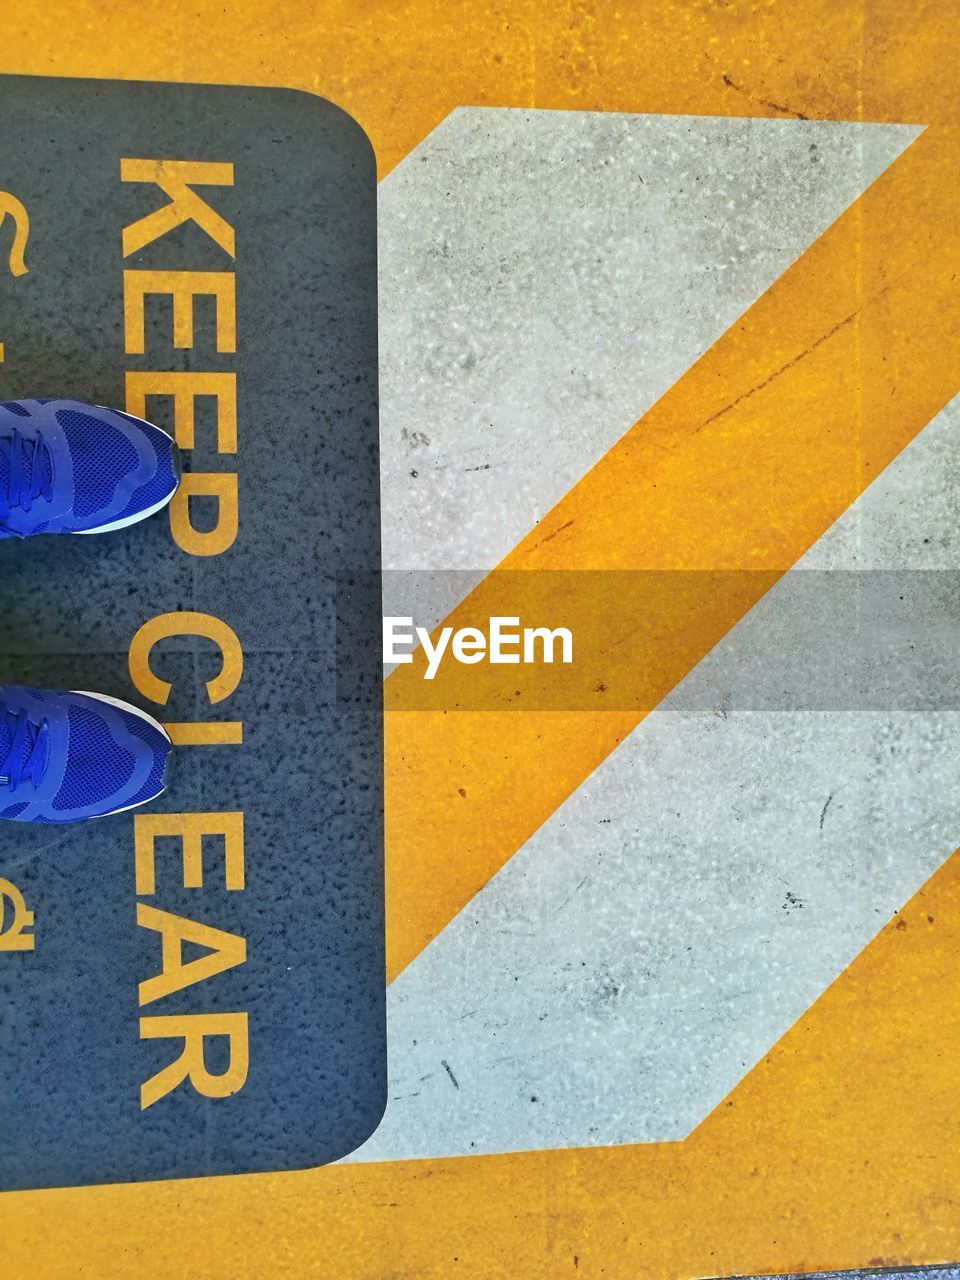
(26, 758)
(29, 468)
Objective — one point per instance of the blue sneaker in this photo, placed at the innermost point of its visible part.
(67, 756)
(68, 467)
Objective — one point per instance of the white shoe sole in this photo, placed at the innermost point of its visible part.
(141, 515)
(134, 711)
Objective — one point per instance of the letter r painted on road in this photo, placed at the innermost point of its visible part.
(194, 1030)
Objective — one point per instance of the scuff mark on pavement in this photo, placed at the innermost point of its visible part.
(824, 337)
(823, 811)
(763, 102)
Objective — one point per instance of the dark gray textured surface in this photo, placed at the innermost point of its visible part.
(308, 775)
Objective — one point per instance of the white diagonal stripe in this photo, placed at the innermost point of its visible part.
(694, 896)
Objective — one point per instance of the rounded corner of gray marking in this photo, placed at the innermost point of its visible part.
(267, 201)
(337, 118)
(370, 1128)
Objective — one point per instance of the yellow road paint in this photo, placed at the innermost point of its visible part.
(401, 68)
(840, 1148)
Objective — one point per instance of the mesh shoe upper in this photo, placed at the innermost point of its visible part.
(68, 756)
(68, 467)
